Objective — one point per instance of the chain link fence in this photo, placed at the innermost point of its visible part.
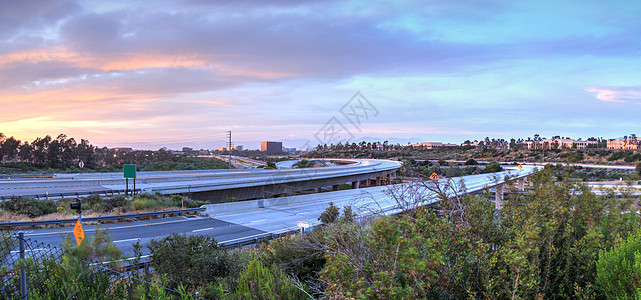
(40, 271)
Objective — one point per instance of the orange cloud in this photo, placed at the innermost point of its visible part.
(134, 61)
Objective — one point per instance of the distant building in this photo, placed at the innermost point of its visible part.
(187, 149)
(584, 144)
(622, 144)
(271, 147)
(235, 147)
(289, 150)
(432, 145)
(123, 149)
(559, 144)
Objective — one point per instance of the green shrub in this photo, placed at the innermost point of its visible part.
(260, 282)
(142, 203)
(31, 207)
(293, 254)
(193, 260)
(619, 270)
(493, 168)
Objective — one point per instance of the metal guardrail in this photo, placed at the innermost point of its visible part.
(106, 193)
(104, 218)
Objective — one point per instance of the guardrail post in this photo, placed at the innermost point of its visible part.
(23, 272)
(498, 203)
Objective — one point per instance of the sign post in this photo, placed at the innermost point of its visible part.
(302, 225)
(78, 232)
(129, 171)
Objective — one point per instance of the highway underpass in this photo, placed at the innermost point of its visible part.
(247, 219)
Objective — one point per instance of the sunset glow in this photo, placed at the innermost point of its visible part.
(180, 73)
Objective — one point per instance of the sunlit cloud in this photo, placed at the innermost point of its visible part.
(127, 73)
(621, 94)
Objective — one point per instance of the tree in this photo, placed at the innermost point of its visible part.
(330, 215)
(492, 168)
(639, 169)
(619, 270)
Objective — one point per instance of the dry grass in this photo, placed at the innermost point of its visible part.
(6, 216)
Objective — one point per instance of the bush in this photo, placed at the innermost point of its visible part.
(619, 270)
(142, 203)
(471, 162)
(31, 207)
(295, 256)
(492, 168)
(260, 282)
(193, 260)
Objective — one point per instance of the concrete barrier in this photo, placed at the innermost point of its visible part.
(231, 207)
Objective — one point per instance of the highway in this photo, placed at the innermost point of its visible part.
(230, 222)
(173, 182)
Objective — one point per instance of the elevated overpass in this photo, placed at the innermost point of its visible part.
(210, 185)
(250, 220)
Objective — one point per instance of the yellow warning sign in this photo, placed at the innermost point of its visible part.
(78, 232)
(520, 167)
(434, 176)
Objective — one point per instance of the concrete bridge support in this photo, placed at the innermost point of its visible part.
(335, 187)
(356, 184)
(521, 185)
(498, 202)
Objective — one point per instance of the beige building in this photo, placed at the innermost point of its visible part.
(622, 144)
(432, 145)
(558, 144)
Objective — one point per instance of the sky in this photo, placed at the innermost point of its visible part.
(148, 74)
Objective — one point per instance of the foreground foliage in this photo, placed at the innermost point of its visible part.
(558, 241)
(545, 246)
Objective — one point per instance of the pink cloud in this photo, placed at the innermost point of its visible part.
(621, 94)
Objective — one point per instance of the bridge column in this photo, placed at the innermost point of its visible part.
(498, 202)
(335, 187)
(356, 184)
(521, 184)
(318, 190)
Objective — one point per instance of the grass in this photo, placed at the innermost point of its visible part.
(30, 209)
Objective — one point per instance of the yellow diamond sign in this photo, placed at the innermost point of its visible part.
(78, 232)
(434, 176)
(520, 167)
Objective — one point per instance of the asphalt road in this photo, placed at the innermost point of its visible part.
(172, 182)
(230, 227)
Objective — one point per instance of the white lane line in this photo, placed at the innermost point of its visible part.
(197, 230)
(26, 250)
(256, 221)
(129, 240)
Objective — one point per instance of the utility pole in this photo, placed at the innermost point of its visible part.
(229, 147)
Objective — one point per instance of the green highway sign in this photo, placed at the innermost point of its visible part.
(129, 171)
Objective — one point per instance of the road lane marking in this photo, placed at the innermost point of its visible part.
(204, 229)
(116, 227)
(129, 240)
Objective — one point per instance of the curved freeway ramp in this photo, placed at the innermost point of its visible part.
(211, 185)
(247, 220)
